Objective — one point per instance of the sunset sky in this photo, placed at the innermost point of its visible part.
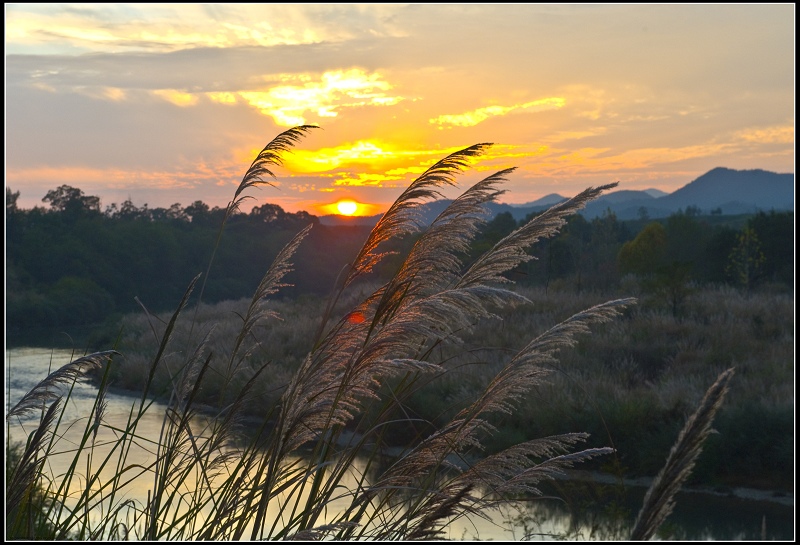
(168, 104)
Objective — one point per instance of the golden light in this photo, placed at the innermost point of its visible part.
(472, 118)
(362, 152)
(178, 98)
(347, 207)
(308, 94)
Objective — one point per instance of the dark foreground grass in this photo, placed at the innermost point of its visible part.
(364, 360)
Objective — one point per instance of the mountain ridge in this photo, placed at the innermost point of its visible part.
(722, 190)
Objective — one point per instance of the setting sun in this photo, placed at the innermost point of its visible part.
(347, 208)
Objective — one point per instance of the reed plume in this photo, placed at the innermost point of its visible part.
(401, 217)
(510, 471)
(259, 172)
(660, 498)
(511, 250)
(20, 483)
(42, 393)
(344, 366)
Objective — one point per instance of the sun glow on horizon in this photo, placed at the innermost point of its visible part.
(347, 207)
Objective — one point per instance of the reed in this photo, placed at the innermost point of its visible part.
(287, 479)
(659, 500)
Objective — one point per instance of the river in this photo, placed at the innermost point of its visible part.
(587, 510)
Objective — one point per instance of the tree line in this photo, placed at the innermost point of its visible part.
(597, 254)
(73, 263)
(669, 257)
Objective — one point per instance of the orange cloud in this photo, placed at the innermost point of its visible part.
(114, 93)
(302, 96)
(590, 161)
(406, 170)
(116, 178)
(472, 118)
(223, 98)
(178, 98)
(299, 97)
(770, 135)
(327, 159)
(366, 179)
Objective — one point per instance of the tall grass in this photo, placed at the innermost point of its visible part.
(362, 366)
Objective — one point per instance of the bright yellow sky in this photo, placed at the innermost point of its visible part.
(170, 103)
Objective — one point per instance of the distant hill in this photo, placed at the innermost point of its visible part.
(724, 189)
(547, 200)
(757, 189)
(655, 192)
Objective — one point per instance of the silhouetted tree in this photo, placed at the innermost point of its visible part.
(775, 232)
(606, 234)
(746, 259)
(646, 253)
(71, 201)
(199, 213)
(268, 213)
(11, 200)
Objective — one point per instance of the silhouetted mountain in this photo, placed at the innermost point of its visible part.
(621, 200)
(727, 190)
(547, 200)
(653, 192)
(518, 212)
(757, 189)
(624, 195)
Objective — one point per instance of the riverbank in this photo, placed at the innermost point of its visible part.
(751, 494)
